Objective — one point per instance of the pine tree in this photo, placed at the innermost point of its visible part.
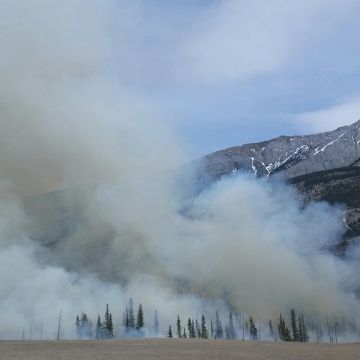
(301, 332)
(169, 332)
(110, 327)
(211, 329)
(284, 333)
(295, 331)
(203, 330)
(253, 329)
(304, 336)
(140, 318)
(98, 328)
(197, 329)
(190, 329)
(178, 325)
(184, 336)
(131, 315)
(219, 334)
(271, 329)
(77, 323)
(193, 329)
(107, 325)
(156, 323)
(126, 319)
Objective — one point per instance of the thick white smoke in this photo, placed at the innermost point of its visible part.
(117, 227)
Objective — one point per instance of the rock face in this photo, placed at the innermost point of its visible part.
(323, 166)
(341, 186)
(288, 156)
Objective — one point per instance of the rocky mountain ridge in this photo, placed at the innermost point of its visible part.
(288, 156)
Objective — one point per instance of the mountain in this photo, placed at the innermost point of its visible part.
(288, 156)
(324, 166)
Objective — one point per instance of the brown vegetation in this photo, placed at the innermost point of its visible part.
(168, 349)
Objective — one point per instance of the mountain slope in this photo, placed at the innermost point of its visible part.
(288, 156)
(323, 167)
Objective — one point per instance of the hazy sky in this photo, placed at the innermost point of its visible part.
(227, 72)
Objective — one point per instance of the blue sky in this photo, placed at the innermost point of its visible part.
(226, 72)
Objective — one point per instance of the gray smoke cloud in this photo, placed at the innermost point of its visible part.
(91, 211)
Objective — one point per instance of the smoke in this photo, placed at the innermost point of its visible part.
(91, 209)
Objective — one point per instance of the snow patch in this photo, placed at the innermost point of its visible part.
(319, 150)
(253, 166)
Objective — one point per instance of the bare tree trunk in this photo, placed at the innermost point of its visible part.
(328, 327)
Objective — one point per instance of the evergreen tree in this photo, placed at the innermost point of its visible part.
(140, 318)
(219, 334)
(169, 332)
(304, 336)
(284, 333)
(107, 325)
(110, 327)
(131, 315)
(190, 329)
(77, 323)
(295, 331)
(83, 326)
(126, 319)
(184, 336)
(98, 334)
(178, 325)
(212, 329)
(98, 328)
(253, 329)
(156, 323)
(203, 330)
(271, 329)
(197, 329)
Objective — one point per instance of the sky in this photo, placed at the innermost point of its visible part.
(228, 72)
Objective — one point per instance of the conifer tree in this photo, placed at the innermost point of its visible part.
(295, 331)
(140, 318)
(107, 325)
(169, 332)
(271, 329)
(190, 329)
(284, 333)
(110, 327)
(197, 329)
(193, 329)
(77, 323)
(203, 330)
(178, 325)
(156, 323)
(98, 333)
(126, 319)
(184, 336)
(219, 334)
(131, 315)
(253, 329)
(211, 329)
(304, 336)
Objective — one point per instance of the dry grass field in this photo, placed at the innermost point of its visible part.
(166, 349)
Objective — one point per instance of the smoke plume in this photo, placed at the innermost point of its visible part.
(91, 209)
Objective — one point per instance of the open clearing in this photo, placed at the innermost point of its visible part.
(166, 349)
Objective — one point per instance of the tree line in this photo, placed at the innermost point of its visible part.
(236, 327)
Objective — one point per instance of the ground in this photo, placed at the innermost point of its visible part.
(168, 349)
